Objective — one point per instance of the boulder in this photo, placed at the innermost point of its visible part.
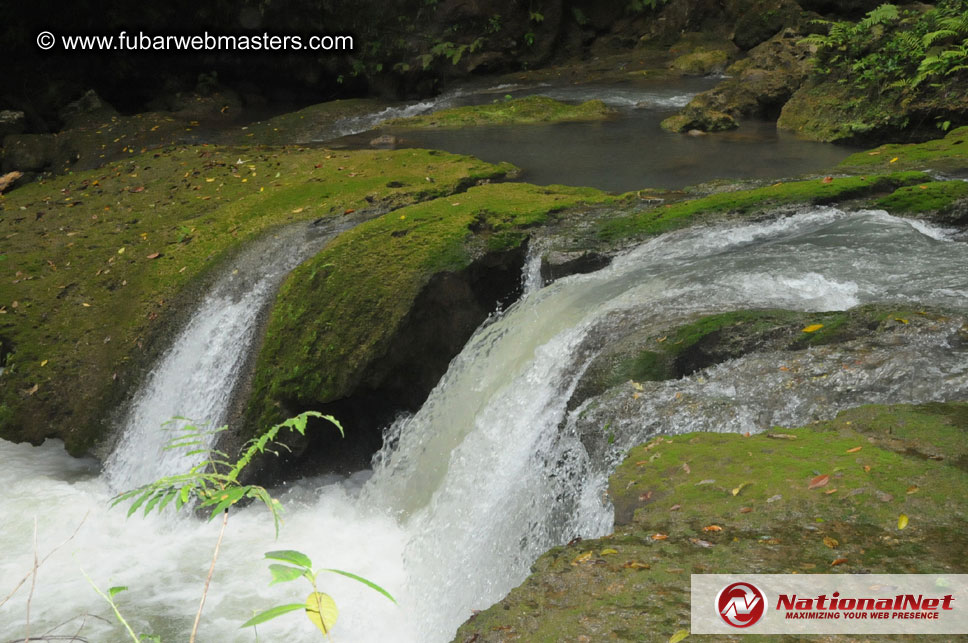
(11, 122)
(89, 109)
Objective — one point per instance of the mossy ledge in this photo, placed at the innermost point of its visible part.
(672, 353)
(665, 218)
(99, 265)
(367, 327)
(882, 461)
(518, 111)
(949, 153)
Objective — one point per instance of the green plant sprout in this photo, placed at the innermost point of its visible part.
(320, 608)
(213, 483)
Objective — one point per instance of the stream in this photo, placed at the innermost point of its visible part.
(494, 469)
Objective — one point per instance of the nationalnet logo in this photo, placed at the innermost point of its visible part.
(830, 603)
(741, 604)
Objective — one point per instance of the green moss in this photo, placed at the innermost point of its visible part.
(716, 338)
(336, 313)
(519, 111)
(673, 216)
(926, 197)
(756, 491)
(82, 289)
(701, 62)
(948, 153)
(303, 125)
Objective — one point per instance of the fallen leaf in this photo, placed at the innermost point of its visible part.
(645, 496)
(828, 179)
(838, 561)
(781, 436)
(582, 558)
(634, 564)
(678, 636)
(912, 489)
(637, 386)
(854, 450)
(702, 482)
(812, 328)
(701, 543)
(140, 188)
(830, 542)
(867, 468)
(830, 491)
(774, 498)
(43, 363)
(740, 488)
(349, 211)
(659, 536)
(902, 521)
(901, 319)
(154, 255)
(120, 251)
(298, 210)
(685, 467)
(608, 552)
(819, 481)
(745, 510)
(675, 507)
(86, 305)
(712, 528)
(893, 160)
(883, 496)
(30, 391)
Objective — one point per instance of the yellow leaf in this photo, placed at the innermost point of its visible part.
(894, 160)
(902, 521)
(321, 610)
(912, 489)
(812, 328)
(830, 542)
(854, 450)
(297, 210)
(44, 363)
(608, 552)
(86, 305)
(740, 488)
(582, 558)
(210, 180)
(637, 386)
(120, 251)
(679, 636)
(901, 319)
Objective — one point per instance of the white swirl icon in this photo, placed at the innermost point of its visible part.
(45, 40)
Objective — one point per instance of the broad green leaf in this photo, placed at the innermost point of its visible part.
(285, 573)
(137, 503)
(268, 615)
(366, 582)
(114, 591)
(291, 556)
(321, 610)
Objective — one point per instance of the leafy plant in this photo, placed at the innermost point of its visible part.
(320, 608)
(213, 483)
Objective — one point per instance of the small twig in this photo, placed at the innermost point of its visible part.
(208, 579)
(114, 606)
(44, 560)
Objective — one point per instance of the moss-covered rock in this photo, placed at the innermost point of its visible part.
(664, 218)
(725, 503)
(758, 86)
(518, 111)
(381, 307)
(701, 62)
(670, 353)
(948, 153)
(93, 263)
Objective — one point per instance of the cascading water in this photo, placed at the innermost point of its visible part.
(196, 377)
(482, 479)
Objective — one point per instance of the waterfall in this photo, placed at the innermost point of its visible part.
(196, 377)
(494, 469)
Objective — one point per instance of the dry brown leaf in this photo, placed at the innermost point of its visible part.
(838, 561)
(830, 491)
(154, 255)
(867, 468)
(712, 528)
(830, 542)
(854, 450)
(913, 489)
(659, 536)
(745, 510)
(819, 481)
(675, 507)
(634, 564)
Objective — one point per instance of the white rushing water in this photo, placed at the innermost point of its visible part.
(481, 480)
(196, 377)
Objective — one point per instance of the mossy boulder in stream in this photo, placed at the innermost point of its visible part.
(99, 267)
(825, 498)
(367, 327)
(518, 111)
